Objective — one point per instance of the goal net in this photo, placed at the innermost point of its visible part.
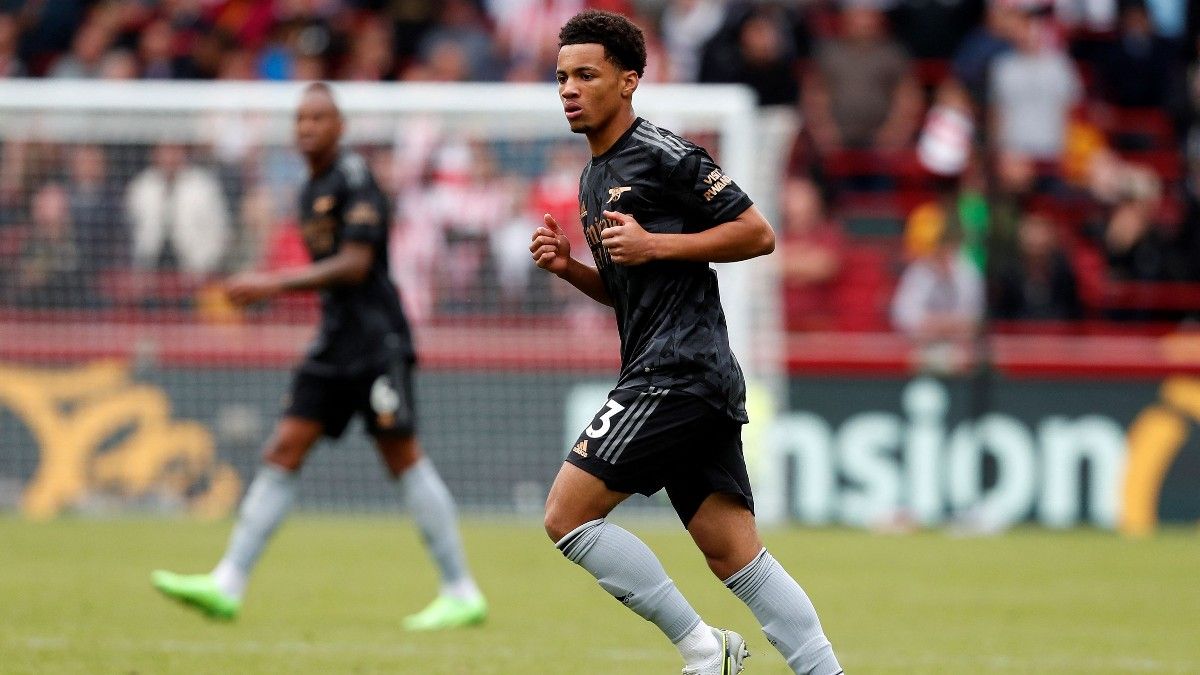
(128, 382)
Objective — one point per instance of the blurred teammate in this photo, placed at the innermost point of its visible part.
(656, 210)
(361, 363)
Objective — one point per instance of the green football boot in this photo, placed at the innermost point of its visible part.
(448, 612)
(199, 591)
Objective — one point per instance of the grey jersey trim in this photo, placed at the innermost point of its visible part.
(660, 143)
(667, 137)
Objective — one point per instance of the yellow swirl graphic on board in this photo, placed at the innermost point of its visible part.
(72, 415)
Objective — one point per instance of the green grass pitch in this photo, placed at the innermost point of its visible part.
(329, 593)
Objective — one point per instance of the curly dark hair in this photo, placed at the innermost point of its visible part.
(623, 42)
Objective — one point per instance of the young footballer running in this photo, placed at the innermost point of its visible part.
(656, 210)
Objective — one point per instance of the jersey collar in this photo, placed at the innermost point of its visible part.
(619, 144)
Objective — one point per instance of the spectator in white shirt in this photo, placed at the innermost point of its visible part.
(178, 214)
(940, 298)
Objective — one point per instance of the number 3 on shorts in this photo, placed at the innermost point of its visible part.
(605, 419)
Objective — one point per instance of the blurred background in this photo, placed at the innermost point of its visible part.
(982, 310)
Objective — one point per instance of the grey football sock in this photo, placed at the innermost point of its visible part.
(786, 615)
(432, 508)
(264, 507)
(629, 571)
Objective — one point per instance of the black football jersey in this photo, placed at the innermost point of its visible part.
(673, 331)
(362, 325)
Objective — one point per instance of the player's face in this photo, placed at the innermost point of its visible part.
(592, 88)
(318, 124)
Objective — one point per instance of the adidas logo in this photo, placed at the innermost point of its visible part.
(580, 448)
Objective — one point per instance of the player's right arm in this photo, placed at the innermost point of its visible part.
(551, 251)
(348, 267)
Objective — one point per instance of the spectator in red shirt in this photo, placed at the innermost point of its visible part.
(812, 246)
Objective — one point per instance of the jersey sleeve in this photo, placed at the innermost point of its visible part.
(706, 195)
(364, 209)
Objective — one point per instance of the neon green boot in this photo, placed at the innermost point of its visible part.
(198, 591)
(448, 612)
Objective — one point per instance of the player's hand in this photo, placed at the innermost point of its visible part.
(628, 243)
(551, 249)
(250, 287)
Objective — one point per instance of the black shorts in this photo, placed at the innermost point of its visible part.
(384, 399)
(644, 441)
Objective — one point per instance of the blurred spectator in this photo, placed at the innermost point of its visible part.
(156, 49)
(862, 93)
(686, 26)
(756, 49)
(960, 206)
(658, 59)
(1170, 17)
(188, 21)
(23, 165)
(118, 64)
(445, 61)
(13, 182)
(1033, 92)
(1192, 143)
(471, 198)
(556, 191)
(50, 29)
(277, 61)
(237, 64)
(527, 33)
(208, 52)
(95, 210)
(461, 32)
(301, 41)
(264, 240)
(370, 57)
(10, 61)
(945, 143)
(86, 55)
(945, 150)
(1110, 179)
(1136, 69)
(940, 298)
(1012, 191)
(972, 62)
(1134, 247)
(1038, 283)
(1095, 16)
(48, 271)
(933, 29)
(813, 247)
(178, 214)
(249, 22)
(411, 19)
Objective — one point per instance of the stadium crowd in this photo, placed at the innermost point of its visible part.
(955, 161)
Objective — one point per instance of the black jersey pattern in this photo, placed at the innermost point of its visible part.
(362, 325)
(673, 331)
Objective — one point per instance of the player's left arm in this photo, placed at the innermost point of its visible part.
(747, 236)
(348, 267)
(721, 224)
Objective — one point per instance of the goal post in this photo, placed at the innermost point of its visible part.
(122, 204)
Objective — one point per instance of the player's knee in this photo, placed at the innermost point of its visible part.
(559, 521)
(400, 453)
(553, 523)
(286, 456)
